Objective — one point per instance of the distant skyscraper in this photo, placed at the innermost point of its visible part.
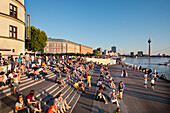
(114, 49)
(140, 53)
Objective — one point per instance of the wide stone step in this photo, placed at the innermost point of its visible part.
(74, 101)
(10, 91)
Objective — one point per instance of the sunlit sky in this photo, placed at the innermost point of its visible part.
(126, 24)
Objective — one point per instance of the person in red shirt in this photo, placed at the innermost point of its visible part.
(53, 108)
(32, 103)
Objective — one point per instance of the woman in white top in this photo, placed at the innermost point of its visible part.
(19, 105)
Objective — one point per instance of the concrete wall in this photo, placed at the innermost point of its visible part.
(103, 61)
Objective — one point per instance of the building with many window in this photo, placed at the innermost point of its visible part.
(12, 27)
(65, 46)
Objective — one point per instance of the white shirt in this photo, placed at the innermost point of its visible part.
(10, 75)
(32, 58)
(33, 65)
(98, 83)
(5, 78)
(145, 76)
(152, 81)
(40, 69)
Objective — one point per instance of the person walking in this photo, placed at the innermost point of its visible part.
(88, 80)
(152, 83)
(145, 80)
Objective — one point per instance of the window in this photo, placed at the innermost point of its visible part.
(47, 49)
(51, 50)
(57, 45)
(51, 45)
(13, 11)
(12, 31)
(54, 45)
(47, 44)
(54, 50)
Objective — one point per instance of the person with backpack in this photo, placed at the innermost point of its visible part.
(121, 88)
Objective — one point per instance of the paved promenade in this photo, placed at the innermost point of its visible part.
(136, 98)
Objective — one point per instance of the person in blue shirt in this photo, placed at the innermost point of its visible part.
(20, 59)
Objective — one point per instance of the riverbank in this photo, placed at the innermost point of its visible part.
(136, 98)
(149, 57)
(152, 64)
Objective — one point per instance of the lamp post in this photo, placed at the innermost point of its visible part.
(149, 41)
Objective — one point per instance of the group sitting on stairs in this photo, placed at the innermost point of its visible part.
(74, 68)
(19, 67)
(35, 68)
(106, 80)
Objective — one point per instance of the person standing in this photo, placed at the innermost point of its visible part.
(145, 80)
(27, 60)
(20, 59)
(121, 88)
(152, 83)
(16, 84)
(12, 63)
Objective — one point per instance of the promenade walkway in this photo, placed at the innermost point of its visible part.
(136, 98)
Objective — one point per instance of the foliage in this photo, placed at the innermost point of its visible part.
(95, 51)
(37, 41)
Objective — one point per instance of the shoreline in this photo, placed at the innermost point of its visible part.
(149, 57)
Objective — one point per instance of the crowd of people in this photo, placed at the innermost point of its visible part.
(148, 74)
(116, 91)
(69, 68)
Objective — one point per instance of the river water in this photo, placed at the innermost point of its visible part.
(151, 63)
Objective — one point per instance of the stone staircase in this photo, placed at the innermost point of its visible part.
(47, 95)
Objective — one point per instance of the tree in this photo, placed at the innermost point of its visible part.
(95, 51)
(37, 41)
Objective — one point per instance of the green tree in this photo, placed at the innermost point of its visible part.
(37, 41)
(95, 51)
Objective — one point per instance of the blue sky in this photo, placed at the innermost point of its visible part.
(126, 24)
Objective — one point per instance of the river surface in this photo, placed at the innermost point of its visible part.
(151, 63)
